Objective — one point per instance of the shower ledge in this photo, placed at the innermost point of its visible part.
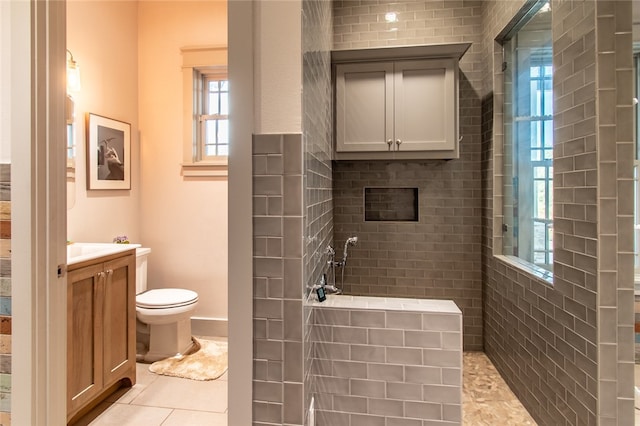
(387, 303)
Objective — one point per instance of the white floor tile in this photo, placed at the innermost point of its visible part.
(173, 392)
(195, 418)
(129, 415)
(144, 378)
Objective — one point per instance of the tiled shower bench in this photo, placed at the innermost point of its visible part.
(386, 361)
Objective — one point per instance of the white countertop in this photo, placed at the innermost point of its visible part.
(386, 303)
(80, 252)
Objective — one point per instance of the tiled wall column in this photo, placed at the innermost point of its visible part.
(615, 147)
(396, 362)
(278, 390)
(5, 294)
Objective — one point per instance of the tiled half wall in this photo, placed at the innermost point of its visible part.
(278, 390)
(387, 362)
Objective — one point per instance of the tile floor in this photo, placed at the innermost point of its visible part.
(168, 401)
(157, 400)
(163, 401)
(486, 398)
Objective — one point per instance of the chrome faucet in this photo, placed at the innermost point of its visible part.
(331, 287)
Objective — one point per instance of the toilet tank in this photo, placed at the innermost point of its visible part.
(142, 253)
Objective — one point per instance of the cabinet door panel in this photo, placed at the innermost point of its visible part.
(119, 314)
(426, 104)
(84, 350)
(364, 109)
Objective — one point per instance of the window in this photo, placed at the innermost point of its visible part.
(206, 111)
(528, 126)
(214, 118)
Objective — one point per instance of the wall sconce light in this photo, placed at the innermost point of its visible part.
(73, 74)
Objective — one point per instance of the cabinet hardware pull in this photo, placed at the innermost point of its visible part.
(389, 143)
(398, 142)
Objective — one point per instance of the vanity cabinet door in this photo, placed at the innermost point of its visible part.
(119, 329)
(84, 327)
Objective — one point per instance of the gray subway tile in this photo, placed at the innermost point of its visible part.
(410, 356)
(360, 318)
(386, 372)
(422, 375)
(422, 339)
(443, 394)
(404, 391)
(368, 353)
(350, 404)
(386, 407)
(377, 336)
(423, 410)
(369, 388)
(404, 320)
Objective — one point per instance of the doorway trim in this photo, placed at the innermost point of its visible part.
(240, 304)
(38, 185)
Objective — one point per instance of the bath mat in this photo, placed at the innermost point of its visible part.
(207, 361)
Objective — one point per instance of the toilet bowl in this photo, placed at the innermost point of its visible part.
(166, 312)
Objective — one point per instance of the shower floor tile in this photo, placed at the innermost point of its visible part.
(486, 397)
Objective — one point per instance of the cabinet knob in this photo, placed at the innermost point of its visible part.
(389, 143)
(398, 142)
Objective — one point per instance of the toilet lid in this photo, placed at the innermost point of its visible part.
(166, 298)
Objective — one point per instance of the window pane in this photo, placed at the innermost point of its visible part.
(224, 103)
(223, 132)
(223, 149)
(224, 85)
(214, 107)
(539, 258)
(210, 150)
(210, 132)
(539, 202)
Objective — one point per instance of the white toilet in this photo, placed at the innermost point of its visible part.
(166, 311)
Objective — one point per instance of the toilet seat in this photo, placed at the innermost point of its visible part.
(164, 298)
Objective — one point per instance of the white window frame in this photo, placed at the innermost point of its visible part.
(199, 61)
(204, 118)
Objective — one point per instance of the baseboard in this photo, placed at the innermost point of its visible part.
(214, 327)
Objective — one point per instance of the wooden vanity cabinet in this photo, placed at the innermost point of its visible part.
(101, 339)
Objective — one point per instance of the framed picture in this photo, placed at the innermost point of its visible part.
(108, 153)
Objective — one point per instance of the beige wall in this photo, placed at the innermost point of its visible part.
(183, 221)
(5, 83)
(130, 61)
(278, 66)
(102, 37)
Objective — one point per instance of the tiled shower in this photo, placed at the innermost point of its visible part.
(565, 349)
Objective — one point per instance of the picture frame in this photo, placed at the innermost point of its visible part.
(108, 153)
